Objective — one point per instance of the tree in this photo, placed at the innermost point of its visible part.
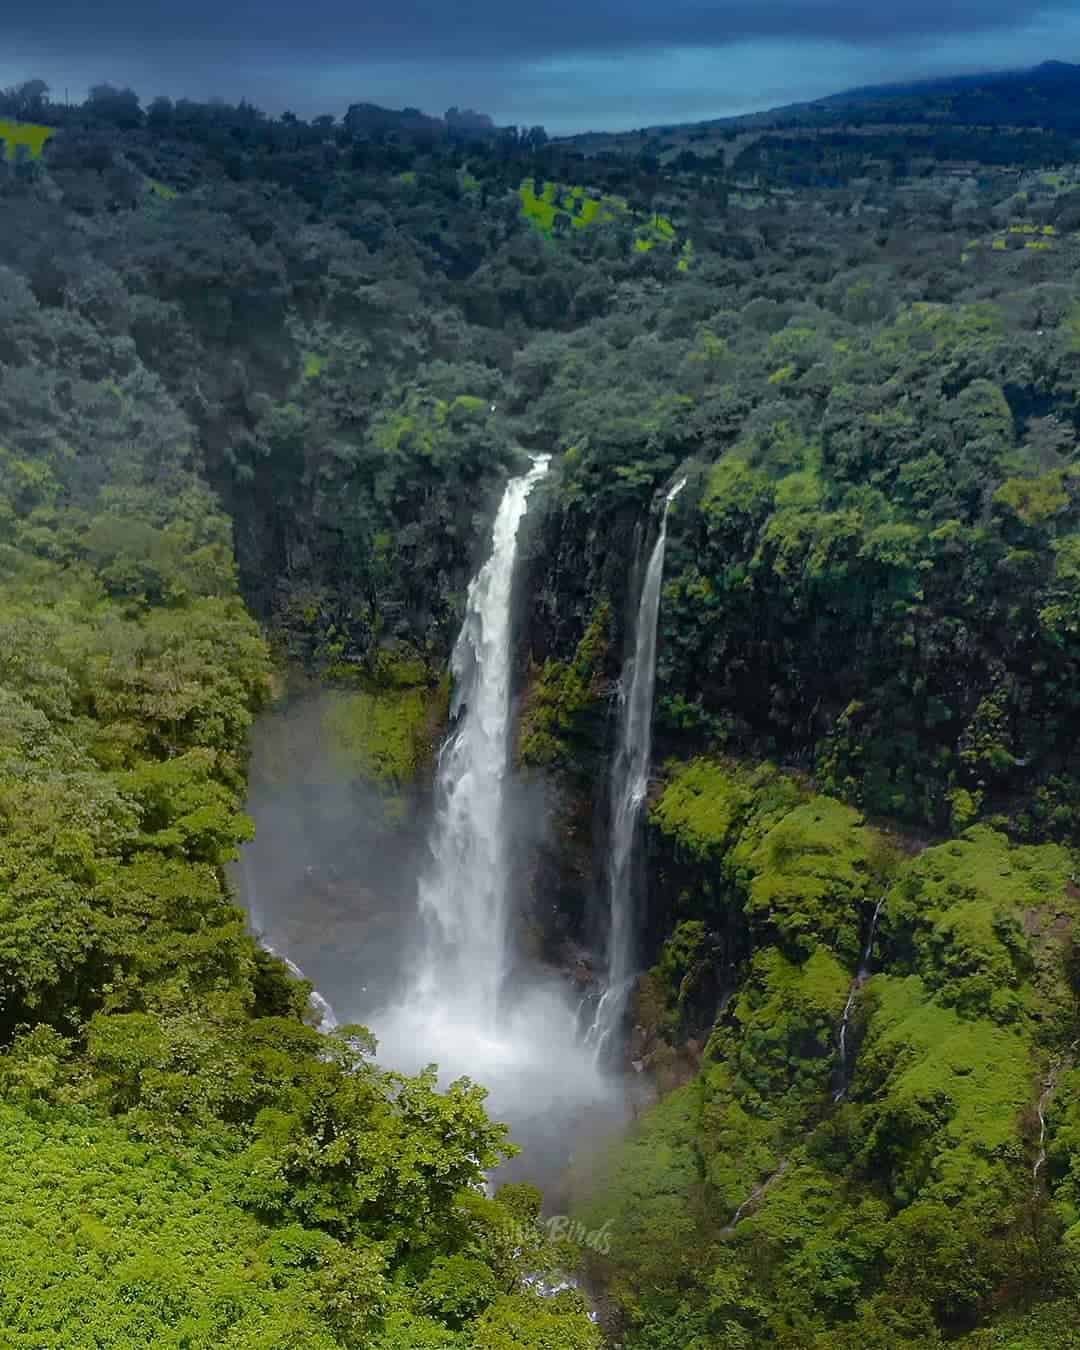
(159, 115)
(118, 107)
(27, 100)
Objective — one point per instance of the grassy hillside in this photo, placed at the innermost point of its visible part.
(27, 136)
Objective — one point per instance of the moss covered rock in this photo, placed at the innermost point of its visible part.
(386, 728)
(558, 721)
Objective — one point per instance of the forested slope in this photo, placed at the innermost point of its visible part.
(892, 1184)
(185, 1159)
(877, 389)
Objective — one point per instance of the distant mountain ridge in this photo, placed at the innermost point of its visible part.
(1044, 96)
(943, 84)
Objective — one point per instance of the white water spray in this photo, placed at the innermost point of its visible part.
(463, 897)
(519, 1038)
(629, 787)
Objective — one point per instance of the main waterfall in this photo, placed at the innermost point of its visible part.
(461, 1009)
(422, 950)
(629, 786)
(463, 896)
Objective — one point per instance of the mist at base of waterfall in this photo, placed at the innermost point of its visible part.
(540, 1078)
(331, 885)
(517, 1036)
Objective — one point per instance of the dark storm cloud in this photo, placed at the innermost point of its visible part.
(405, 30)
(570, 64)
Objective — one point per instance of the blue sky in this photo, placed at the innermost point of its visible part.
(572, 65)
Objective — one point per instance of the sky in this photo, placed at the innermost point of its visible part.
(569, 65)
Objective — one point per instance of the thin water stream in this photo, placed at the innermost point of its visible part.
(862, 974)
(629, 788)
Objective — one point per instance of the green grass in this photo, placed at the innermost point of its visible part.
(948, 1091)
(806, 863)
(703, 806)
(810, 874)
(381, 734)
(969, 906)
(28, 134)
(576, 203)
(583, 209)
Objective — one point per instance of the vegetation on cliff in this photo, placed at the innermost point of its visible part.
(384, 723)
(876, 1190)
(185, 1158)
(564, 700)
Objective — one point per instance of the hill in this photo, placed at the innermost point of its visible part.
(1045, 99)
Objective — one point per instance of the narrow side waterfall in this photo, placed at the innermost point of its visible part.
(463, 897)
(1049, 1087)
(629, 786)
(1043, 1103)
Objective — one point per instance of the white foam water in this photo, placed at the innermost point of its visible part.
(520, 1043)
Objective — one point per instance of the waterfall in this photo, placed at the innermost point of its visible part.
(1060, 1062)
(463, 895)
(845, 1018)
(862, 973)
(1044, 1099)
(752, 1199)
(462, 1009)
(629, 786)
(462, 998)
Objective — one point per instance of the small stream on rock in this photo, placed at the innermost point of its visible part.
(845, 1066)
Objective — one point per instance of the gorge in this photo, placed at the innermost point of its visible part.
(464, 999)
(611, 617)
(549, 1075)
